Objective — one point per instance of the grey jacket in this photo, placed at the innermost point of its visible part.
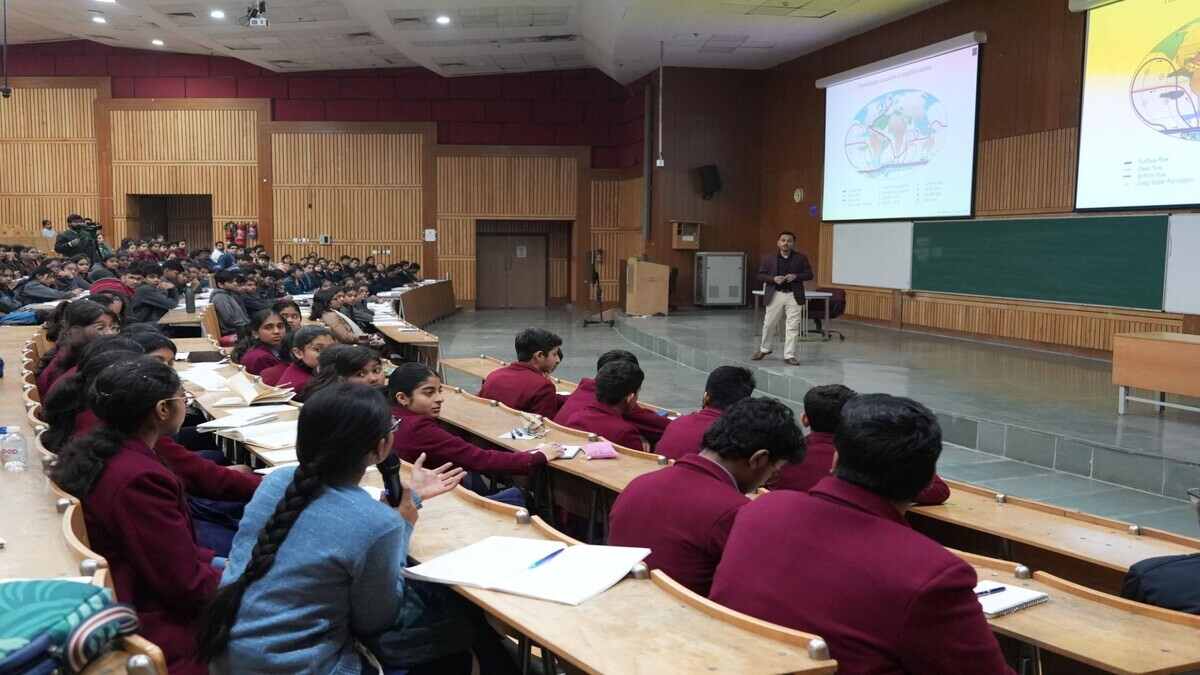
(230, 313)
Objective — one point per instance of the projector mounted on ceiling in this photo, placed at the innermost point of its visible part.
(256, 15)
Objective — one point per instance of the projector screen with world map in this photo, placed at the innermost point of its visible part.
(1139, 138)
(900, 142)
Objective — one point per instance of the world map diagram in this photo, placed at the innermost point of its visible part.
(895, 133)
(1165, 90)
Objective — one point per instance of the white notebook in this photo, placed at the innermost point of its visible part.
(269, 436)
(244, 417)
(1011, 599)
(511, 565)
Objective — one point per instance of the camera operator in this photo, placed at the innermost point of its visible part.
(78, 239)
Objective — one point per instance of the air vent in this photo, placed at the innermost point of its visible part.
(568, 37)
(182, 15)
(408, 21)
(99, 37)
(357, 36)
(282, 62)
(243, 49)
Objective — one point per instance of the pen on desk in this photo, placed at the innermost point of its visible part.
(546, 559)
(990, 591)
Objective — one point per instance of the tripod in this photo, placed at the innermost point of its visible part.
(595, 258)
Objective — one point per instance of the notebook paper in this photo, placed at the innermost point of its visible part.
(506, 564)
(1011, 599)
(243, 417)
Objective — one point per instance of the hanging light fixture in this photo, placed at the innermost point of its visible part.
(660, 162)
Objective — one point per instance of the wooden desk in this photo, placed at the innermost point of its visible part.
(638, 626)
(424, 304)
(178, 317)
(1093, 628)
(1168, 363)
(483, 365)
(196, 344)
(413, 344)
(1087, 549)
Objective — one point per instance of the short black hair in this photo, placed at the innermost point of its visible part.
(228, 276)
(41, 270)
(787, 232)
(617, 380)
(888, 445)
(823, 405)
(148, 269)
(727, 385)
(533, 340)
(754, 424)
(616, 355)
(172, 265)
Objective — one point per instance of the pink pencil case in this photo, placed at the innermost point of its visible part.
(600, 450)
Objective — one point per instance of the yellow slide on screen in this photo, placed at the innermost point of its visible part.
(1139, 142)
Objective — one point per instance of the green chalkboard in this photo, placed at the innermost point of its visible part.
(1117, 261)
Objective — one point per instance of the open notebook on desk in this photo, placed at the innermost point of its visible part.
(535, 568)
(999, 599)
(249, 390)
(270, 436)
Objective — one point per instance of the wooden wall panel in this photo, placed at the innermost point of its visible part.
(362, 187)
(1030, 173)
(499, 185)
(879, 304)
(616, 207)
(48, 138)
(187, 147)
(204, 136)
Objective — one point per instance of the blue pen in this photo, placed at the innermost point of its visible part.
(990, 591)
(542, 561)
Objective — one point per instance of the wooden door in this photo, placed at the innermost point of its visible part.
(491, 272)
(526, 271)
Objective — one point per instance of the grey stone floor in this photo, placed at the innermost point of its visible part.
(932, 369)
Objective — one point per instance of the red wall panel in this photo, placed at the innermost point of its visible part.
(578, 107)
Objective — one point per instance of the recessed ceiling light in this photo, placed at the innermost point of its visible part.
(217, 14)
(108, 2)
(99, 19)
(156, 42)
(443, 20)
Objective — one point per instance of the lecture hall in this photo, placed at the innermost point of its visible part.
(607, 337)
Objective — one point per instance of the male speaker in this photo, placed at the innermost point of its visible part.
(710, 181)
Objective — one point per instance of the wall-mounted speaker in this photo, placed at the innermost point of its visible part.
(710, 181)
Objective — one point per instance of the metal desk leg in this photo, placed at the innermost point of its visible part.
(825, 326)
(593, 515)
(1122, 393)
(1162, 398)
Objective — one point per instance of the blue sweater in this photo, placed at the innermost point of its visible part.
(335, 579)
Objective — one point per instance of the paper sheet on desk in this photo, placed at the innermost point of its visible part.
(204, 378)
(240, 417)
(519, 566)
(269, 436)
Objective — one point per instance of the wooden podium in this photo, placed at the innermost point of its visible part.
(646, 288)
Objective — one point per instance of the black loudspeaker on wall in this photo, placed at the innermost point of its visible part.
(710, 180)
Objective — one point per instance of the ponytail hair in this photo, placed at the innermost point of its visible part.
(338, 429)
(249, 338)
(68, 396)
(79, 314)
(321, 301)
(122, 396)
(406, 378)
(337, 363)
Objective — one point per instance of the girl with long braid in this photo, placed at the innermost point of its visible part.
(135, 508)
(316, 564)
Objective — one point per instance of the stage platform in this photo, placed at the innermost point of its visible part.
(1026, 422)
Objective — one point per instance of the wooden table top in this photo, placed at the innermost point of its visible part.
(1116, 635)
(407, 337)
(635, 627)
(178, 317)
(1099, 541)
(1162, 336)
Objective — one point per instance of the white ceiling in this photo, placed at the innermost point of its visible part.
(620, 37)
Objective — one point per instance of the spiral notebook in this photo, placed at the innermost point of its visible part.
(999, 599)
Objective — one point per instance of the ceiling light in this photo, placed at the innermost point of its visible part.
(443, 20)
(99, 19)
(108, 2)
(156, 42)
(217, 14)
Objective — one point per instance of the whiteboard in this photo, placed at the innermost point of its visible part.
(1182, 292)
(873, 254)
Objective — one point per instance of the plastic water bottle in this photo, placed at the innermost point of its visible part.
(189, 299)
(13, 451)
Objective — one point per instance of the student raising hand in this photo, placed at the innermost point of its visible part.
(429, 483)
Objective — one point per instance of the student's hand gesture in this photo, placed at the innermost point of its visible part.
(429, 483)
(552, 451)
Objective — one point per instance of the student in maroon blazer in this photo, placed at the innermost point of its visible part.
(726, 385)
(416, 396)
(649, 424)
(841, 562)
(617, 386)
(135, 508)
(258, 348)
(683, 513)
(822, 412)
(525, 383)
(306, 345)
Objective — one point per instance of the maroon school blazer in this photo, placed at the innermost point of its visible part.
(137, 518)
(421, 433)
(258, 358)
(683, 514)
(523, 387)
(649, 424)
(685, 435)
(818, 462)
(841, 562)
(605, 420)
